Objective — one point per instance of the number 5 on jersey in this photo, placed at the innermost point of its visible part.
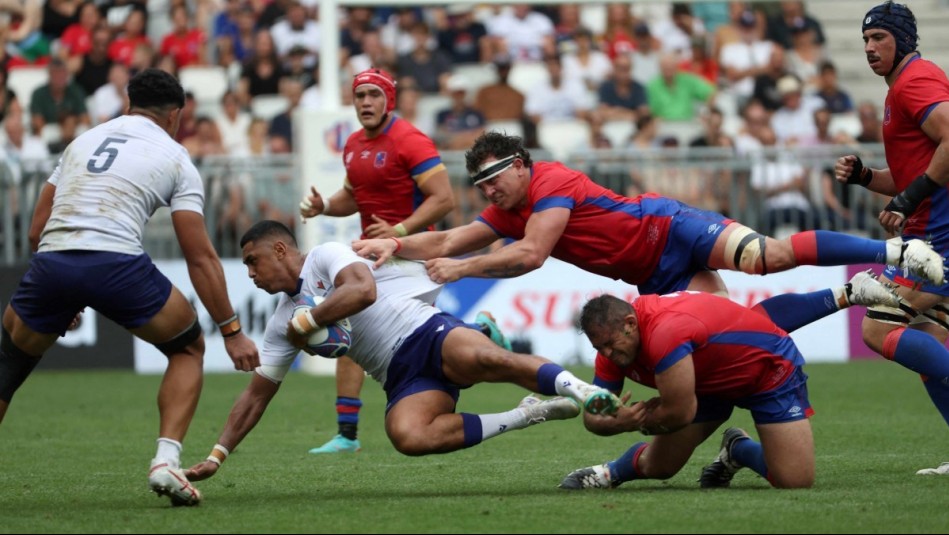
(104, 148)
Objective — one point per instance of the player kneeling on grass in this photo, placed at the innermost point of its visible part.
(420, 355)
(707, 355)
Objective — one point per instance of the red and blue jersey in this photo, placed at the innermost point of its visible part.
(607, 234)
(736, 351)
(384, 173)
(920, 86)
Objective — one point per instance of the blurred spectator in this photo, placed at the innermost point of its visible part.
(20, 145)
(407, 106)
(352, 34)
(746, 59)
(676, 31)
(701, 64)
(189, 119)
(258, 142)
(824, 137)
(233, 123)
(793, 123)
(622, 98)
(565, 28)
(586, 64)
(295, 67)
(766, 83)
(458, 126)
(731, 32)
(645, 57)
(57, 15)
(262, 71)
(25, 42)
(713, 135)
(373, 54)
(58, 102)
(270, 12)
(783, 186)
(523, 33)
(111, 100)
(76, 41)
(836, 99)
(143, 57)
(247, 32)
(462, 37)
(871, 129)
(712, 14)
(9, 104)
(132, 36)
(205, 140)
(165, 63)
(618, 36)
(92, 69)
(296, 30)
(224, 56)
(185, 44)
(756, 126)
(430, 68)
(673, 95)
(792, 14)
(225, 26)
(397, 33)
(557, 98)
(500, 101)
(281, 126)
(721, 183)
(805, 56)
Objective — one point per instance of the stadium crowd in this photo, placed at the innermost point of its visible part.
(735, 75)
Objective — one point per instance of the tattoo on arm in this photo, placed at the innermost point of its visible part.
(506, 272)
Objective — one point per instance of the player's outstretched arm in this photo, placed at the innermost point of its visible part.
(245, 414)
(207, 276)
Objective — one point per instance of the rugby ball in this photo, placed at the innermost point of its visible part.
(330, 341)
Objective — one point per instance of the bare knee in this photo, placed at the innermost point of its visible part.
(409, 441)
(793, 481)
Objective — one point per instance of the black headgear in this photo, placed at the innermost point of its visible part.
(900, 22)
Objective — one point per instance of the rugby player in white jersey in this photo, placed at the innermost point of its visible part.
(87, 233)
(421, 355)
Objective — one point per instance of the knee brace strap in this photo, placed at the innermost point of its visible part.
(939, 315)
(15, 366)
(891, 315)
(744, 247)
(182, 340)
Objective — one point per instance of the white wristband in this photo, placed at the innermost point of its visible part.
(326, 205)
(298, 325)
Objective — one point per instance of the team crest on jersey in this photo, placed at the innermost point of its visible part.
(886, 116)
(380, 160)
(348, 158)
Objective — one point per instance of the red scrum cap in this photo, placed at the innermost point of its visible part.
(380, 79)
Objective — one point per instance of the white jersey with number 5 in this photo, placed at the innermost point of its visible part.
(404, 297)
(109, 182)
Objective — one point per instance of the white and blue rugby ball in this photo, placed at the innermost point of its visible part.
(330, 341)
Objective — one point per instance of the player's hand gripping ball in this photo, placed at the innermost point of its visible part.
(330, 341)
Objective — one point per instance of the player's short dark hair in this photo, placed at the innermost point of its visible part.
(605, 311)
(498, 145)
(268, 229)
(155, 89)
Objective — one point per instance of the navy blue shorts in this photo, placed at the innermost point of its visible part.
(786, 403)
(127, 289)
(417, 364)
(692, 235)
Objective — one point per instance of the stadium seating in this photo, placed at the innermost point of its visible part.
(563, 137)
(24, 80)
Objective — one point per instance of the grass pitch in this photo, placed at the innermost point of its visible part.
(76, 448)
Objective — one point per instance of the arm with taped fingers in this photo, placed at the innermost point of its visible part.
(244, 416)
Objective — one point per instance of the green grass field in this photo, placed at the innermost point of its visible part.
(76, 448)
